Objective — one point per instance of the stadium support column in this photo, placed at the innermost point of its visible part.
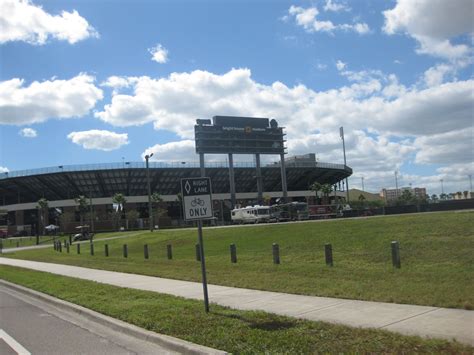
(231, 180)
(201, 164)
(259, 180)
(283, 178)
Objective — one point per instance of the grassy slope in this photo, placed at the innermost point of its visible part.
(436, 252)
(48, 239)
(239, 332)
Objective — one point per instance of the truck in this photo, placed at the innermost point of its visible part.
(292, 211)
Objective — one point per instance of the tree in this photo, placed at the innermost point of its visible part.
(156, 200)
(267, 199)
(83, 207)
(43, 206)
(65, 218)
(119, 200)
(443, 196)
(459, 194)
(466, 194)
(132, 217)
(406, 198)
(326, 190)
(316, 187)
(434, 198)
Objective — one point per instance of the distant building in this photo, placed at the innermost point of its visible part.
(393, 194)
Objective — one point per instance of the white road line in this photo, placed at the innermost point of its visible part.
(12, 343)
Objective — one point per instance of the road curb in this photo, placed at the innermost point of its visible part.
(173, 344)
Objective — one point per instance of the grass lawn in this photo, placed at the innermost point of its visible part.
(436, 255)
(48, 239)
(239, 332)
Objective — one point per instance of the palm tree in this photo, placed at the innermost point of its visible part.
(465, 193)
(156, 211)
(316, 187)
(119, 199)
(43, 205)
(434, 198)
(326, 190)
(267, 199)
(83, 206)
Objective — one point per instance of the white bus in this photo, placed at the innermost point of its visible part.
(250, 214)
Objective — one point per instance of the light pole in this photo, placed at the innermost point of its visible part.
(362, 178)
(150, 214)
(396, 183)
(341, 133)
(442, 188)
(470, 185)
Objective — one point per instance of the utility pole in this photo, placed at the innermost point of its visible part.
(442, 188)
(150, 212)
(341, 133)
(362, 178)
(396, 183)
(470, 185)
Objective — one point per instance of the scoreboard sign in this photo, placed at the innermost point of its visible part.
(197, 200)
(239, 135)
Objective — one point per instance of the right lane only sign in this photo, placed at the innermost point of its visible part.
(197, 200)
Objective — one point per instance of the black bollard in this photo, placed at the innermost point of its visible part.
(78, 248)
(67, 248)
(198, 253)
(233, 254)
(125, 251)
(70, 238)
(328, 254)
(106, 250)
(396, 254)
(276, 253)
(54, 245)
(92, 249)
(17, 244)
(145, 251)
(169, 251)
(60, 247)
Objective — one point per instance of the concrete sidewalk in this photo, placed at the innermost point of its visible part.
(432, 322)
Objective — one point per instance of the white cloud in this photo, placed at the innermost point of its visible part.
(433, 23)
(340, 65)
(335, 6)
(40, 101)
(173, 151)
(373, 101)
(159, 54)
(308, 19)
(28, 133)
(99, 139)
(21, 20)
(446, 148)
(4, 169)
(435, 75)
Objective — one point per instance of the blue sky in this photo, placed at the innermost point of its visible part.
(78, 83)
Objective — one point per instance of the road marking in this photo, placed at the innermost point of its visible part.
(12, 343)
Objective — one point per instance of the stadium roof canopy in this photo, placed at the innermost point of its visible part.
(129, 178)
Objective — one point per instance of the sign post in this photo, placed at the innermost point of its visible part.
(197, 205)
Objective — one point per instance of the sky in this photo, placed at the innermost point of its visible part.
(110, 81)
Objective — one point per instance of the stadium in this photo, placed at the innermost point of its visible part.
(61, 185)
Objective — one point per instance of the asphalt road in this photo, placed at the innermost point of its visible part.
(31, 326)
